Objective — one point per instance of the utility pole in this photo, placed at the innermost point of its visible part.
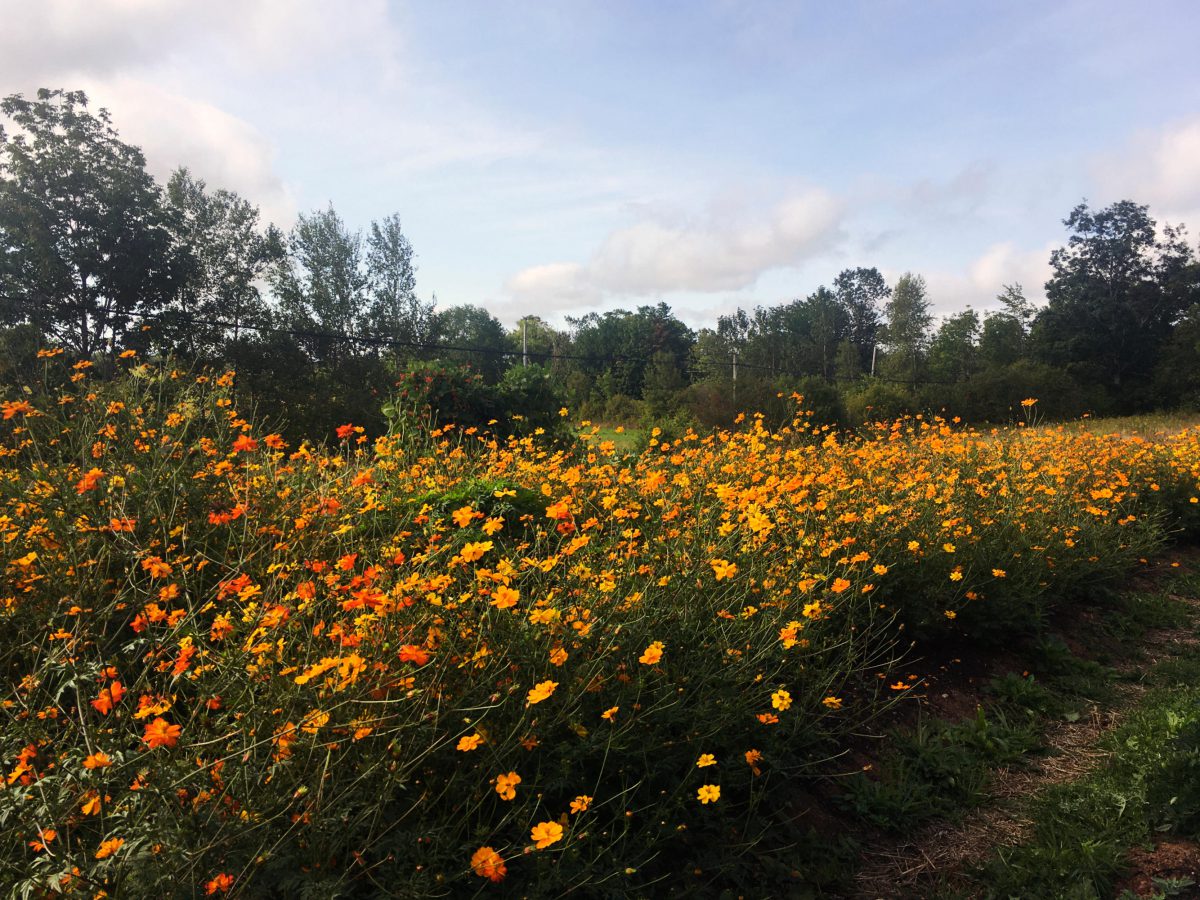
(524, 344)
(735, 378)
(872, 360)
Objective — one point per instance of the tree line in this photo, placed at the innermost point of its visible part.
(321, 322)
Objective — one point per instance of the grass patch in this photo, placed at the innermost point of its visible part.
(938, 769)
(1149, 785)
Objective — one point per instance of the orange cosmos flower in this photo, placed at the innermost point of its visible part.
(581, 803)
(469, 742)
(161, 733)
(474, 551)
(220, 884)
(610, 714)
(546, 833)
(723, 569)
(506, 785)
(89, 481)
(832, 702)
(12, 407)
(540, 692)
(97, 760)
(505, 597)
(652, 654)
(462, 516)
(414, 654)
(244, 444)
(839, 585)
(109, 847)
(487, 863)
(344, 431)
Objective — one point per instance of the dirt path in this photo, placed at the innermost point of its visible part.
(939, 852)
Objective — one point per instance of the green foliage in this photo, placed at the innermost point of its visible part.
(86, 236)
(938, 769)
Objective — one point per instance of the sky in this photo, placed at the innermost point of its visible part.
(567, 156)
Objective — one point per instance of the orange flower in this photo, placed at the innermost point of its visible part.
(244, 444)
(344, 431)
(610, 714)
(463, 515)
(89, 481)
(753, 758)
(581, 803)
(475, 551)
(839, 585)
(652, 654)
(506, 785)
(161, 733)
(487, 863)
(540, 692)
(97, 760)
(546, 833)
(108, 698)
(414, 654)
(505, 597)
(723, 569)
(220, 884)
(109, 847)
(12, 407)
(706, 759)
(832, 702)
(469, 742)
(709, 793)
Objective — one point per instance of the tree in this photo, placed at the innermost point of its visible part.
(1004, 336)
(395, 311)
(952, 352)
(85, 240)
(862, 291)
(474, 327)
(907, 333)
(322, 284)
(1118, 288)
(225, 255)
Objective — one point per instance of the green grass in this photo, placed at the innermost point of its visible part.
(1149, 785)
(627, 439)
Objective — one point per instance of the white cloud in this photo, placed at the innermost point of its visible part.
(726, 248)
(984, 277)
(128, 56)
(174, 130)
(1161, 169)
(50, 38)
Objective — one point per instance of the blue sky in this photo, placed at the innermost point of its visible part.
(560, 157)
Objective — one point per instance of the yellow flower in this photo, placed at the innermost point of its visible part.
(652, 654)
(999, 573)
(546, 833)
(708, 793)
(610, 714)
(1029, 401)
(506, 785)
(706, 759)
(781, 700)
(723, 569)
(463, 516)
(832, 702)
(558, 656)
(540, 692)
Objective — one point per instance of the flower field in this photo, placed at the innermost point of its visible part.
(437, 663)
